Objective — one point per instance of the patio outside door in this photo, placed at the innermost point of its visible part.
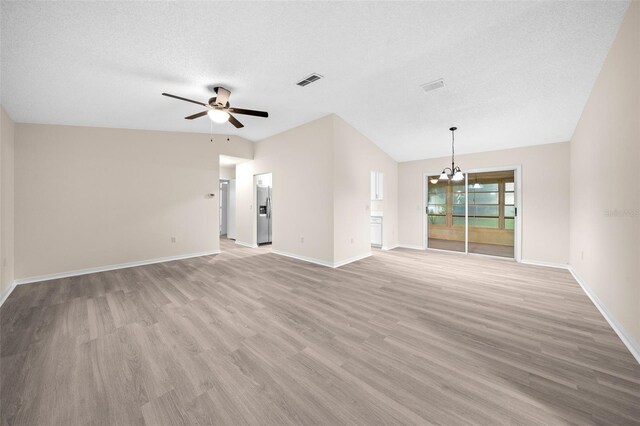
(476, 215)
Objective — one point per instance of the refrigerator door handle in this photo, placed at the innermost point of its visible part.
(268, 207)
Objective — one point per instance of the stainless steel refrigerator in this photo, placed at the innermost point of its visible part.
(264, 214)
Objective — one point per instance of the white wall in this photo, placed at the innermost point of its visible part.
(92, 197)
(300, 160)
(545, 197)
(7, 254)
(605, 184)
(354, 158)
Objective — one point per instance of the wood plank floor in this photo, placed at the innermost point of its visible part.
(250, 337)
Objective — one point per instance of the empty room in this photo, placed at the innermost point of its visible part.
(327, 213)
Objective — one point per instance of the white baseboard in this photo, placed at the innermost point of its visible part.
(7, 292)
(319, 261)
(304, 258)
(351, 260)
(408, 246)
(242, 243)
(628, 341)
(385, 248)
(66, 274)
(542, 263)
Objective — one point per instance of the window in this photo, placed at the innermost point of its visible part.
(437, 203)
(509, 205)
(491, 204)
(484, 205)
(458, 201)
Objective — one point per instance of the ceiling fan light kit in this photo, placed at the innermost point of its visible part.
(219, 110)
(218, 116)
(454, 173)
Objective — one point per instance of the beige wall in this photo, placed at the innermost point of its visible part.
(605, 183)
(354, 158)
(545, 197)
(7, 131)
(301, 162)
(227, 172)
(93, 197)
(321, 191)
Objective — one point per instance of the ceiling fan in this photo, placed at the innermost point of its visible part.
(218, 108)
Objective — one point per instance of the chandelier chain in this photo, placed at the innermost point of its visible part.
(453, 150)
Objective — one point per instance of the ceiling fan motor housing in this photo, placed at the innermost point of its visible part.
(213, 104)
(222, 97)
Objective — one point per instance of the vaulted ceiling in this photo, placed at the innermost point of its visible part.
(516, 73)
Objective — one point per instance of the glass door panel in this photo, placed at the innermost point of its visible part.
(491, 213)
(445, 215)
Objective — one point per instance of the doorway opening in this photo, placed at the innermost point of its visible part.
(224, 207)
(476, 215)
(264, 205)
(227, 202)
(377, 208)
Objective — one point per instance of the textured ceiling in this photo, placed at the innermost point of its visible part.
(516, 73)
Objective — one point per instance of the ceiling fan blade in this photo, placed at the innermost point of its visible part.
(200, 114)
(249, 112)
(222, 96)
(235, 122)
(184, 99)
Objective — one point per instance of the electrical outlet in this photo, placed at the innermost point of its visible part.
(302, 239)
(351, 240)
(173, 239)
(582, 255)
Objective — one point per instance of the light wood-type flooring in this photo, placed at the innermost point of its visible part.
(250, 337)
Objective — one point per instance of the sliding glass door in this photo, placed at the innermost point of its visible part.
(476, 215)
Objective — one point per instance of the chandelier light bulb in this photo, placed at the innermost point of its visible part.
(458, 176)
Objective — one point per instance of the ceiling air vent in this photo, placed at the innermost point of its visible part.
(438, 84)
(309, 80)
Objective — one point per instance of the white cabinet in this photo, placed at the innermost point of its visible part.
(377, 185)
(376, 231)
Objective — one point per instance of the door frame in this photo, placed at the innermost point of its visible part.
(517, 175)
